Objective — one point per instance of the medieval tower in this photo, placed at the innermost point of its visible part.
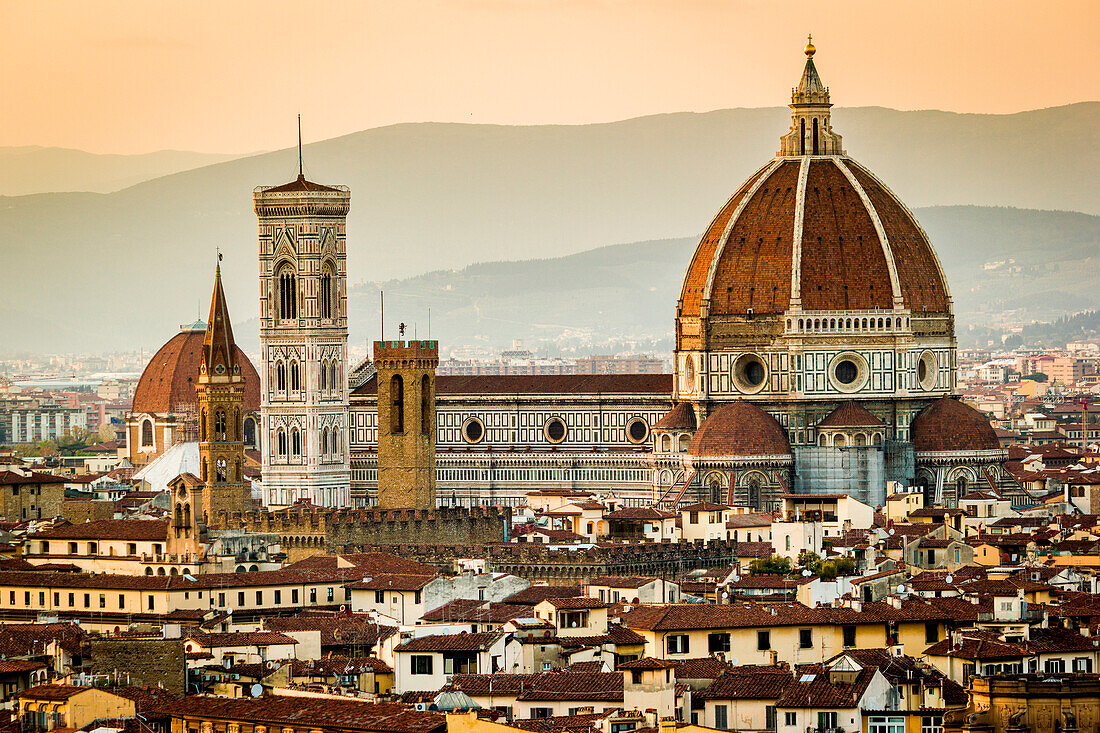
(220, 393)
(304, 337)
(406, 423)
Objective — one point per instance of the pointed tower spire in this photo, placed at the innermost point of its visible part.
(811, 132)
(219, 350)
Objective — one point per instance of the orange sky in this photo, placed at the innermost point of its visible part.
(229, 76)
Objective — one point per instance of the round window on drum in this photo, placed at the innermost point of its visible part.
(554, 430)
(473, 430)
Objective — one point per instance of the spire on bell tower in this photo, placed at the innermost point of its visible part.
(811, 132)
(219, 357)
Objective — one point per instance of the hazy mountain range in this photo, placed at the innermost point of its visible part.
(33, 169)
(109, 271)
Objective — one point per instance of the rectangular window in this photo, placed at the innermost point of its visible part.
(347, 593)
(11, 597)
(26, 598)
(259, 598)
(278, 597)
(849, 635)
(102, 600)
(41, 598)
(312, 595)
(56, 598)
(380, 596)
(769, 717)
(931, 632)
(931, 724)
(789, 719)
(881, 724)
(721, 722)
(1054, 666)
(150, 604)
(1082, 664)
(693, 518)
(718, 642)
(676, 644)
(121, 601)
(420, 664)
(240, 599)
(805, 638)
(72, 600)
(763, 640)
(221, 600)
(330, 598)
(416, 596)
(293, 595)
(540, 713)
(87, 600)
(826, 721)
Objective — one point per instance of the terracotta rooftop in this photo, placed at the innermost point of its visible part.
(850, 414)
(332, 715)
(556, 384)
(108, 529)
(949, 425)
(680, 417)
(739, 429)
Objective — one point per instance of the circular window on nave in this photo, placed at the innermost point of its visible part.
(473, 430)
(849, 372)
(927, 371)
(554, 430)
(750, 374)
(637, 430)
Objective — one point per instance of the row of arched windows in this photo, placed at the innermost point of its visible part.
(816, 325)
(286, 292)
(397, 405)
(331, 450)
(288, 444)
(288, 377)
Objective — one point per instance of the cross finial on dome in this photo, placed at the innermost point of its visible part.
(810, 50)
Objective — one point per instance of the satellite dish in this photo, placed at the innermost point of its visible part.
(256, 690)
(891, 532)
(806, 573)
(229, 611)
(901, 588)
(950, 578)
(725, 594)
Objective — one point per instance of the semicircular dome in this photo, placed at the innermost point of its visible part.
(949, 425)
(740, 429)
(168, 382)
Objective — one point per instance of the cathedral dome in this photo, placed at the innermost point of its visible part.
(949, 425)
(812, 230)
(739, 429)
(168, 383)
(820, 233)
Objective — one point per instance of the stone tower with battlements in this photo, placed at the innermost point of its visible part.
(304, 337)
(220, 393)
(406, 423)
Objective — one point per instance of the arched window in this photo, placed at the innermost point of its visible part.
(295, 377)
(219, 425)
(425, 405)
(202, 426)
(238, 426)
(280, 440)
(685, 440)
(280, 376)
(187, 515)
(237, 475)
(324, 443)
(324, 376)
(327, 294)
(815, 136)
(179, 515)
(146, 433)
(332, 374)
(220, 474)
(666, 443)
(397, 400)
(287, 287)
(295, 442)
(960, 487)
(203, 467)
(802, 137)
(337, 451)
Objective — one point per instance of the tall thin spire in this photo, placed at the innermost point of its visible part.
(219, 350)
(301, 170)
(811, 130)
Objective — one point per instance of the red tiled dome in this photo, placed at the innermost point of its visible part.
(681, 417)
(850, 414)
(740, 429)
(949, 424)
(747, 257)
(168, 382)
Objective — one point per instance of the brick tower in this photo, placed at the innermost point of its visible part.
(220, 392)
(406, 423)
(304, 340)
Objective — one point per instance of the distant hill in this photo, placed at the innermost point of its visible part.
(108, 271)
(624, 296)
(32, 169)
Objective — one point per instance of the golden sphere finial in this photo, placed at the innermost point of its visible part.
(810, 46)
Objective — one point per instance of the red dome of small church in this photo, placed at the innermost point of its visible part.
(949, 425)
(168, 383)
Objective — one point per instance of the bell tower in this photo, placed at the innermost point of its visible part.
(406, 423)
(220, 392)
(304, 340)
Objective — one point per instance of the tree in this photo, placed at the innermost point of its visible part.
(773, 565)
(1036, 377)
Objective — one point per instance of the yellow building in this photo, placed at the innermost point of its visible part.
(47, 707)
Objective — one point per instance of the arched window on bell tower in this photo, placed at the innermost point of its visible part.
(425, 405)
(397, 397)
(286, 288)
(219, 426)
(327, 292)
